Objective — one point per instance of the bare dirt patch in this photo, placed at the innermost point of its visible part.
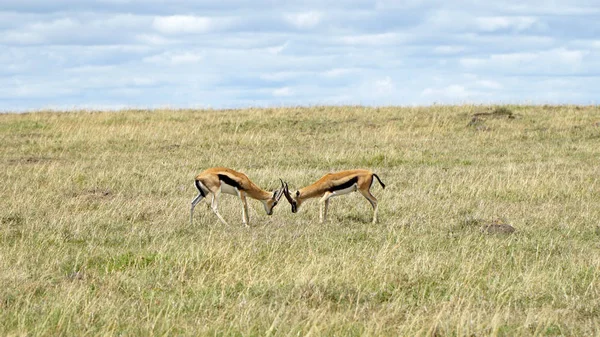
(497, 226)
(478, 119)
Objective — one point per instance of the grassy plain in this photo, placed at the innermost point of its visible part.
(95, 237)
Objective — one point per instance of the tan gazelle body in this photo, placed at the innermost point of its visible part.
(335, 184)
(217, 180)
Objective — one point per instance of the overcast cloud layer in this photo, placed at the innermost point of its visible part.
(133, 53)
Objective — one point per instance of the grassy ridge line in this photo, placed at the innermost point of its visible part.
(95, 239)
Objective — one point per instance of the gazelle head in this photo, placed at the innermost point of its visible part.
(294, 200)
(272, 202)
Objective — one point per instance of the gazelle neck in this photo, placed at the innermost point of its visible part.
(263, 195)
(258, 193)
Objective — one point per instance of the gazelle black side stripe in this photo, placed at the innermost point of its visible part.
(344, 185)
(230, 182)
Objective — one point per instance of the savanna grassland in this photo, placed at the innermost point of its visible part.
(95, 237)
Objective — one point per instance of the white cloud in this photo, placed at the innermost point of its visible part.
(282, 75)
(471, 62)
(558, 59)
(446, 20)
(373, 39)
(16, 37)
(508, 43)
(339, 72)
(573, 57)
(86, 69)
(585, 44)
(81, 29)
(38, 32)
(384, 86)
(186, 57)
(396, 5)
(141, 81)
(153, 39)
(304, 20)
(458, 20)
(514, 58)
(37, 88)
(488, 84)
(55, 25)
(453, 91)
(283, 92)
(130, 21)
(447, 49)
(188, 24)
(175, 58)
(277, 49)
(495, 23)
(544, 7)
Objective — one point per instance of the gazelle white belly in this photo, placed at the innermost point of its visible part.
(228, 189)
(350, 189)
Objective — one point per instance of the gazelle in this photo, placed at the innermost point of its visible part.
(334, 184)
(219, 180)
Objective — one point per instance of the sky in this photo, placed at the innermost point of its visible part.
(113, 54)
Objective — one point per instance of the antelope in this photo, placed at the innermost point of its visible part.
(334, 184)
(219, 180)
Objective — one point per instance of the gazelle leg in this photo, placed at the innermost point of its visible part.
(215, 205)
(194, 203)
(324, 206)
(245, 218)
(367, 194)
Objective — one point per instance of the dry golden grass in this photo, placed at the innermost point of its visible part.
(95, 236)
